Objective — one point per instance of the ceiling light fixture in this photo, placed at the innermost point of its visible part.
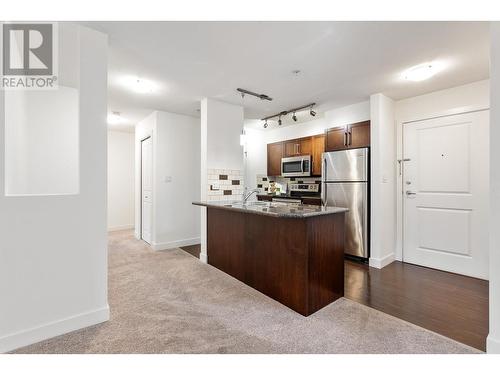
(139, 85)
(293, 110)
(114, 118)
(260, 96)
(421, 72)
(311, 112)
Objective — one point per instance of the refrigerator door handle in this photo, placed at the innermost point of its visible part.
(324, 170)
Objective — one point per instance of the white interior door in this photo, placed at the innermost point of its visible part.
(146, 188)
(446, 189)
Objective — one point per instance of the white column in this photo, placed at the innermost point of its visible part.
(493, 342)
(221, 126)
(383, 181)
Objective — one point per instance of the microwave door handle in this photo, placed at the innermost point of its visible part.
(302, 166)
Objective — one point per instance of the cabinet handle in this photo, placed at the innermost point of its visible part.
(349, 138)
(345, 138)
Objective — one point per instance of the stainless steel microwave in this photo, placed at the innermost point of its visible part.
(296, 166)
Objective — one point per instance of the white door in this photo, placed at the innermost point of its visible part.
(146, 188)
(445, 193)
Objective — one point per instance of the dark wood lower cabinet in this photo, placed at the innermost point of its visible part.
(298, 262)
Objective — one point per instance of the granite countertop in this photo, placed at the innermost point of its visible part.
(276, 209)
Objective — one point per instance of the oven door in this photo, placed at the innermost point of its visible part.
(296, 166)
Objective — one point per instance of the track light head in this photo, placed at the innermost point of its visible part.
(279, 121)
(294, 118)
(311, 112)
(265, 124)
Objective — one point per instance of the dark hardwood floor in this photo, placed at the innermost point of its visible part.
(452, 305)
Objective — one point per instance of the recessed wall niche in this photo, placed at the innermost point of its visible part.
(42, 142)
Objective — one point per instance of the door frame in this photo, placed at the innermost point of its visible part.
(140, 181)
(400, 123)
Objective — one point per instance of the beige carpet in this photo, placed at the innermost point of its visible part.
(169, 302)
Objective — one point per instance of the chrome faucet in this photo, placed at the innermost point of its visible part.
(247, 195)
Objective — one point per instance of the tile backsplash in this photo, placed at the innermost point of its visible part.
(225, 184)
(263, 181)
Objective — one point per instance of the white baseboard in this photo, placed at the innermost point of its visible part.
(175, 244)
(120, 227)
(492, 345)
(52, 329)
(381, 262)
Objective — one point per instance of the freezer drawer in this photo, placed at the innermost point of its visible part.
(354, 196)
(347, 165)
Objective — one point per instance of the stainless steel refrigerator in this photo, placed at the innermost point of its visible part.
(345, 183)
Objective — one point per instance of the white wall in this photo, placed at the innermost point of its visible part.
(176, 178)
(383, 181)
(493, 341)
(121, 167)
(53, 249)
(465, 98)
(221, 126)
(177, 159)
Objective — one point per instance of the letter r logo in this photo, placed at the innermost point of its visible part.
(27, 49)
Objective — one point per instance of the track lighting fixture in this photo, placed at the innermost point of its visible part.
(260, 96)
(293, 110)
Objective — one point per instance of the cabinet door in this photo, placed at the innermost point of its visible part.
(336, 139)
(305, 146)
(318, 147)
(274, 155)
(292, 147)
(359, 135)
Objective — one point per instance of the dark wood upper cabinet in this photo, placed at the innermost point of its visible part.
(274, 155)
(350, 136)
(318, 147)
(359, 135)
(336, 139)
(296, 147)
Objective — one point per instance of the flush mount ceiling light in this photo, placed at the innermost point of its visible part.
(115, 118)
(139, 85)
(422, 72)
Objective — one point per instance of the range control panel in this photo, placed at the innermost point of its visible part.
(311, 188)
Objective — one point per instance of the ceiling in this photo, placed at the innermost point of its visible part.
(340, 63)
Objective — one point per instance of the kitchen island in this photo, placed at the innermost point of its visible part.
(291, 253)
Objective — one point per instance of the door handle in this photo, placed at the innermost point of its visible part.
(400, 162)
(408, 193)
(324, 170)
